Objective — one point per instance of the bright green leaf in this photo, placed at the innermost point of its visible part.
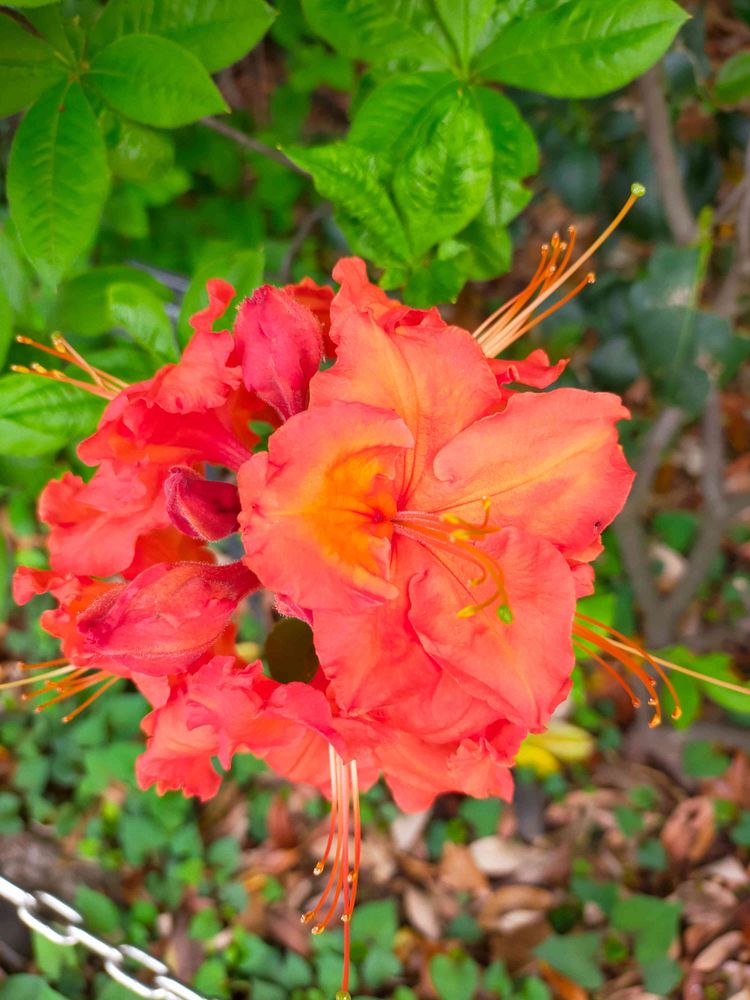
(6, 325)
(454, 976)
(155, 81)
(574, 955)
(27, 988)
(374, 31)
(516, 151)
(29, 3)
(218, 32)
(733, 80)
(364, 210)
(38, 417)
(139, 311)
(440, 185)
(98, 911)
(463, 21)
(387, 121)
(57, 179)
(28, 67)
(136, 152)
(582, 48)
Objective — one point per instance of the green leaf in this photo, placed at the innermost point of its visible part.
(82, 305)
(57, 180)
(463, 21)
(27, 988)
(440, 185)
(63, 33)
(651, 920)
(6, 325)
(516, 151)
(136, 152)
(99, 912)
(28, 67)
(701, 760)
(364, 210)
(373, 31)
(661, 975)
(376, 923)
(39, 416)
(29, 3)
(241, 268)
(437, 281)
(217, 32)
(139, 311)
(391, 115)
(733, 80)
(574, 956)
(582, 48)
(454, 976)
(155, 81)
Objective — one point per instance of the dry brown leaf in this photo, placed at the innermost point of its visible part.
(407, 830)
(690, 830)
(459, 870)
(718, 951)
(497, 858)
(421, 914)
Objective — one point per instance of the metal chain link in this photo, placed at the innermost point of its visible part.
(69, 932)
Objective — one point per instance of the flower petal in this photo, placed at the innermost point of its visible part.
(550, 463)
(280, 345)
(520, 669)
(316, 505)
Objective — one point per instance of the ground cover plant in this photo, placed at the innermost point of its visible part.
(163, 160)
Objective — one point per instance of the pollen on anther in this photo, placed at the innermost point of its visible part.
(318, 869)
(317, 929)
(306, 917)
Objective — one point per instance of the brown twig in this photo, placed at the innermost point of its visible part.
(659, 132)
(254, 145)
(661, 615)
(728, 299)
(304, 229)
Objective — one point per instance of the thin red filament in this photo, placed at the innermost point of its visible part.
(342, 881)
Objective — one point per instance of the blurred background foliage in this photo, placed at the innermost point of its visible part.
(148, 145)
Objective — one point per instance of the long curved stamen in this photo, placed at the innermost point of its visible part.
(626, 659)
(320, 866)
(678, 668)
(342, 882)
(507, 324)
(634, 699)
(104, 385)
(62, 682)
(633, 647)
(24, 681)
(458, 539)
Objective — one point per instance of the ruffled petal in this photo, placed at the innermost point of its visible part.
(550, 463)
(521, 669)
(316, 505)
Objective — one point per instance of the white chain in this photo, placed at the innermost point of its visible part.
(68, 930)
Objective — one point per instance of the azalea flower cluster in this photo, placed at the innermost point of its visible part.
(420, 510)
